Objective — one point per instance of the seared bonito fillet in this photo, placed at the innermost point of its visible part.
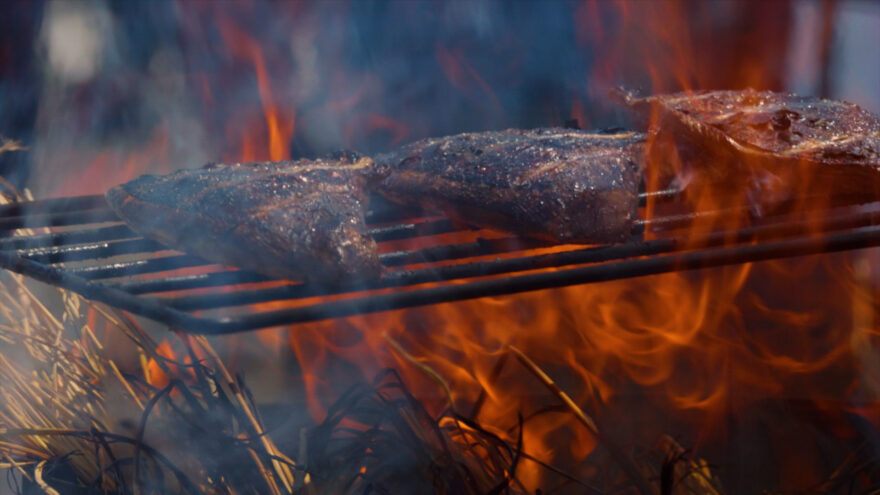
(563, 185)
(796, 142)
(297, 219)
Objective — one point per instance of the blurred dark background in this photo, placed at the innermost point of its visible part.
(101, 91)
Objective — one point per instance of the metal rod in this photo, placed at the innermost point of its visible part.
(53, 205)
(663, 195)
(219, 279)
(496, 267)
(200, 281)
(381, 210)
(102, 234)
(58, 219)
(94, 251)
(126, 268)
(144, 306)
(410, 230)
(153, 265)
(746, 215)
(480, 247)
(152, 308)
(861, 238)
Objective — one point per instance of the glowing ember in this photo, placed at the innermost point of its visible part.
(153, 371)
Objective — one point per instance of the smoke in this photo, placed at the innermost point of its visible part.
(117, 76)
(76, 35)
(136, 87)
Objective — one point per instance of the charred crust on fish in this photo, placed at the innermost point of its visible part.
(296, 219)
(563, 185)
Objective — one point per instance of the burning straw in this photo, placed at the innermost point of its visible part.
(73, 418)
(70, 416)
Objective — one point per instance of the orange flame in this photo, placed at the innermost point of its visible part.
(154, 372)
(696, 347)
(462, 75)
(280, 126)
(111, 167)
(701, 346)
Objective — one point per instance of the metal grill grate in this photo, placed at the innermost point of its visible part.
(79, 244)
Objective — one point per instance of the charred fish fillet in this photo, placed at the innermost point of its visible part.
(558, 184)
(296, 220)
(781, 132)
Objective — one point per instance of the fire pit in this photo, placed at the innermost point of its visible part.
(730, 345)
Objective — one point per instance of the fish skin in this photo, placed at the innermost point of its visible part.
(799, 142)
(295, 220)
(562, 185)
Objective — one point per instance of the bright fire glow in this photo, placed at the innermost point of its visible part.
(694, 348)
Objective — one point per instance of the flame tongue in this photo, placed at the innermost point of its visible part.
(279, 125)
(688, 354)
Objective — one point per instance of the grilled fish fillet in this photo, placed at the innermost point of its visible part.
(558, 184)
(798, 141)
(296, 220)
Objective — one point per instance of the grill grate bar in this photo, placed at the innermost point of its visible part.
(410, 230)
(598, 254)
(663, 196)
(135, 245)
(188, 282)
(764, 228)
(59, 219)
(55, 212)
(152, 308)
(102, 234)
(398, 258)
(858, 239)
(94, 251)
(53, 205)
(139, 267)
(480, 247)
(758, 237)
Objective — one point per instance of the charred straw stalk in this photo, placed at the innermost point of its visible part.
(64, 401)
(70, 416)
(50, 381)
(381, 439)
(66, 405)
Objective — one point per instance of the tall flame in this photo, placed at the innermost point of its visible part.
(690, 351)
(701, 346)
(279, 125)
